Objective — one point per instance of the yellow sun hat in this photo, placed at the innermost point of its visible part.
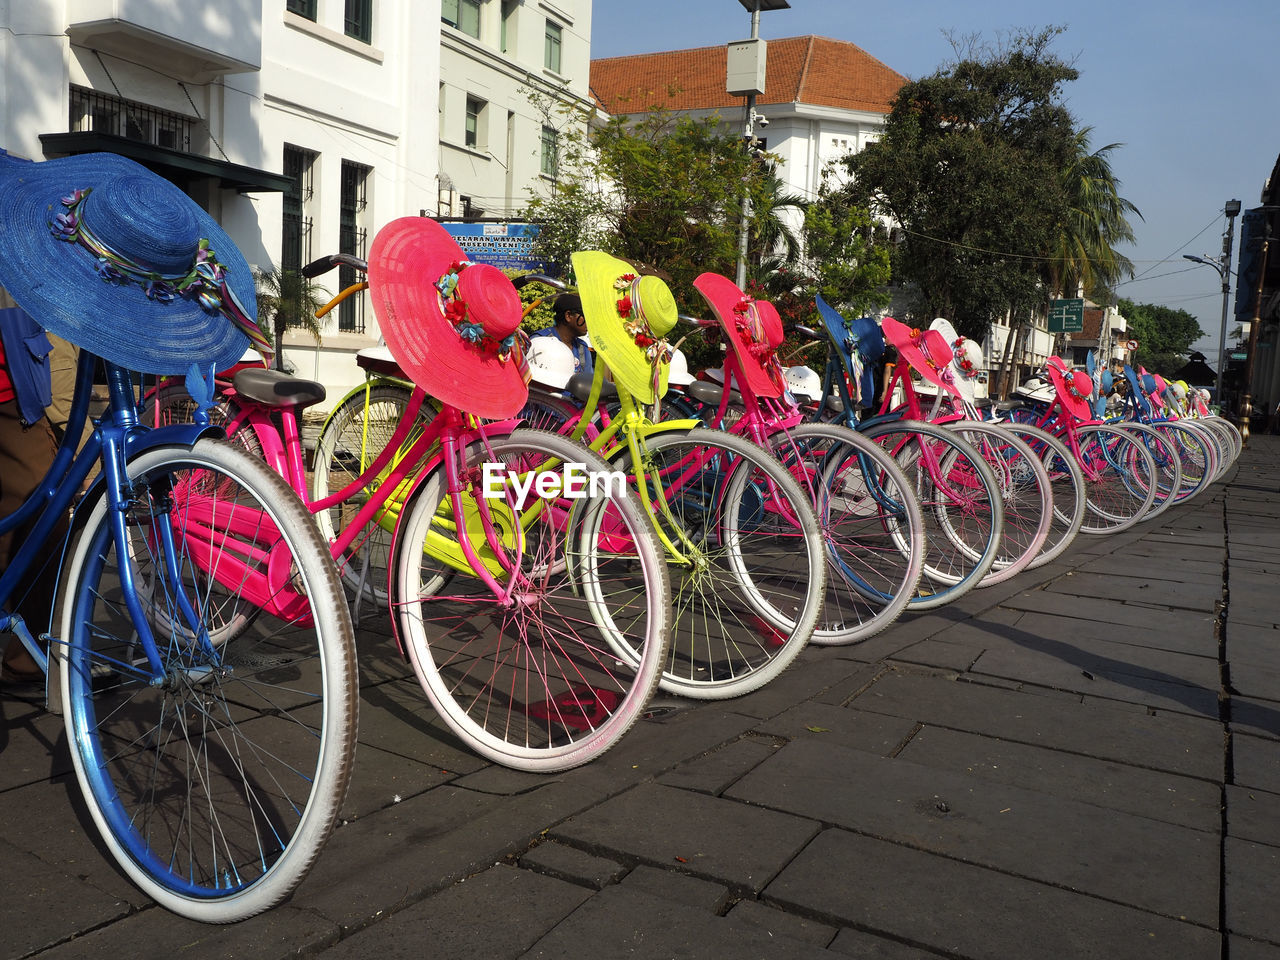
(628, 317)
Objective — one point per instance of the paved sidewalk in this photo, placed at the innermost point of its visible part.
(1080, 763)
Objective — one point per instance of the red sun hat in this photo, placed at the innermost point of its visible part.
(747, 325)
(911, 345)
(1075, 391)
(451, 324)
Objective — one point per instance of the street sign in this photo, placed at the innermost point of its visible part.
(1066, 316)
(1132, 345)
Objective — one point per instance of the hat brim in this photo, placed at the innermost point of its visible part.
(722, 295)
(406, 259)
(58, 284)
(867, 337)
(900, 337)
(632, 370)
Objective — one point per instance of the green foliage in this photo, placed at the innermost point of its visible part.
(1095, 222)
(287, 299)
(537, 299)
(1164, 335)
(971, 166)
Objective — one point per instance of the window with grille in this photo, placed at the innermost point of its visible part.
(551, 48)
(352, 238)
(462, 15)
(358, 20)
(550, 151)
(96, 112)
(303, 8)
(295, 239)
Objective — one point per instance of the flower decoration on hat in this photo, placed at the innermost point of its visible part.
(455, 310)
(966, 365)
(631, 312)
(205, 282)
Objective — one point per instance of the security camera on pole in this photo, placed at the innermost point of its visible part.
(744, 76)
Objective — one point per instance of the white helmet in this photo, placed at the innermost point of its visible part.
(678, 373)
(1036, 389)
(551, 362)
(804, 383)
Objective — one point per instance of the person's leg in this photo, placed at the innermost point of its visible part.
(25, 456)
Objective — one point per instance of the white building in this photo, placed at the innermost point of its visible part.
(301, 125)
(823, 98)
(507, 67)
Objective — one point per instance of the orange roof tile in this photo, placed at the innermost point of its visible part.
(811, 70)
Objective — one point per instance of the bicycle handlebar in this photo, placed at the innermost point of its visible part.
(807, 332)
(317, 267)
(528, 278)
(696, 321)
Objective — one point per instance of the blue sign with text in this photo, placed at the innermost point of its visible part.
(508, 246)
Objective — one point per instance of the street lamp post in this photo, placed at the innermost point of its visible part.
(1223, 266)
(749, 82)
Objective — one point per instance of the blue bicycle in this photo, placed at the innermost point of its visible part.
(212, 734)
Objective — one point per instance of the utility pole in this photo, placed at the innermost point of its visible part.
(744, 76)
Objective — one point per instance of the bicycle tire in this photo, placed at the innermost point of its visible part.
(750, 598)
(962, 531)
(1120, 478)
(216, 789)
(1025, 490)
(550, 681)
(1168, 475)
(355, 433)
(870, 522)
(1067, 483)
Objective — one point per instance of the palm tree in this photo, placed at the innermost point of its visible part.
(287, 299)
(1095, 222)
(773, 239)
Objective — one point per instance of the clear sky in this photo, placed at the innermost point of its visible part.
(1183, 86)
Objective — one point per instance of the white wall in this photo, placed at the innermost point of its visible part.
(342, 99)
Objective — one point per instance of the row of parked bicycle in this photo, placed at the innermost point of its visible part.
(550, 547)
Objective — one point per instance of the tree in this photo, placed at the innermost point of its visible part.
(970, 165)
(287, 299)
(1164, 335)
(1096, 220)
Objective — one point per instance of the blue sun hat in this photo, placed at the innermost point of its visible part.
(860, 344)
(120, 262)
(1136, 397)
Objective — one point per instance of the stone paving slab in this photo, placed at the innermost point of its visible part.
(642, 925)
(1256, 763)
(1251, 881)
(1155, 794)
(1261, 718)
(1181, 629)
(1158, 867)
(1251, 815)
(741, 846)
(959, 909)
(1121, 732)
(1156, 592)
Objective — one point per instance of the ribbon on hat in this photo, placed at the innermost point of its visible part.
(205, 282)
(631, 311)
(747, 322)
(456, 311)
